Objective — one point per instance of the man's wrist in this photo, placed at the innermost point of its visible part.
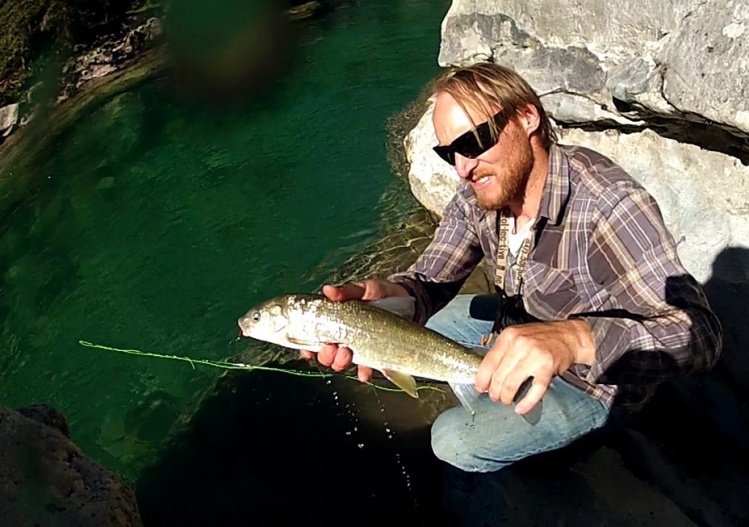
(584, 345)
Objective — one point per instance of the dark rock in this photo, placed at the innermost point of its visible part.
(46, 480)
(46, 415)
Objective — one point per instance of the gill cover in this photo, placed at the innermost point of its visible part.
(267, 323)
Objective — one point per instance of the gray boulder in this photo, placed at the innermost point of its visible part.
(677, 59)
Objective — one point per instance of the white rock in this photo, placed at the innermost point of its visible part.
(8, 118)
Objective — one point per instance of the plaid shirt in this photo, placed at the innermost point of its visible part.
(601, 253)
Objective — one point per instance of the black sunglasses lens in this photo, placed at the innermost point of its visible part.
(469, 146)
(474, 142)
(446, 153)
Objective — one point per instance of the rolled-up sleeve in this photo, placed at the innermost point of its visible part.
(657, 322)
(439, 273)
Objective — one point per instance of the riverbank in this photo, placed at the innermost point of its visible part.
(22, 146)
(112, 64)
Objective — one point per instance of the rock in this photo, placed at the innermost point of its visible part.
(105, 183)
(45, 479)
(8, 118)
(433, 182)
(303, 11)
(700, 214)
(108, 57)
(594, 489)
(707, 64)
(680, 59)
(46, 415)
(100, 70)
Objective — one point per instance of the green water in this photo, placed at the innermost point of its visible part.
(156, 226)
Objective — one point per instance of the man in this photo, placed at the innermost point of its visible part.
(579, 252)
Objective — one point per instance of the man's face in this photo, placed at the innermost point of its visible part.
(499, 175)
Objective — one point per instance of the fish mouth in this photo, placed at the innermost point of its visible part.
(246, 326)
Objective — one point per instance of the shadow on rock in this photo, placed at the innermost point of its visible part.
(681, 461)
(692, 440)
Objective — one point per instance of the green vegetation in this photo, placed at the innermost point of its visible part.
(34, 30)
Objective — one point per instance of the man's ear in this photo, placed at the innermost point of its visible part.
(529, 119)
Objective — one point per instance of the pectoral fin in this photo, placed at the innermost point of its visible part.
(467, 395)
(403, 381)
(304, 343)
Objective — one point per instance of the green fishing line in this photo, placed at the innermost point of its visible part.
(239, 366)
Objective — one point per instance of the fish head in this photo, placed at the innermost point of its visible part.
(267, 322)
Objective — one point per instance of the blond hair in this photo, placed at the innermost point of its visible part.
(486, 86)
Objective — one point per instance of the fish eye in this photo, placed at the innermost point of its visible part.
(256, 316)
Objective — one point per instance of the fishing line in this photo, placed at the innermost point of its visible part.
(241, 366)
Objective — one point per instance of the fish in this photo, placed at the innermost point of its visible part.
(380, 335)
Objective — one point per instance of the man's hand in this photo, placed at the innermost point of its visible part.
(539, 350)
(339, 357)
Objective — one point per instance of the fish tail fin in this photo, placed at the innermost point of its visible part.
(467, 394)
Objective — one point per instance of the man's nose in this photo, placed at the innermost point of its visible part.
(464, 165)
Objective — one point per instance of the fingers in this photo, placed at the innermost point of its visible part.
(507, 387)
(342, 359)
(364, 374)
(340, 293)
(336, 357)
(327, 354)
(339, 359)
(488, 366)
(365, 290)
(534, 395)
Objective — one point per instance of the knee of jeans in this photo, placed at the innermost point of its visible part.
(454, 312)
(450, 445)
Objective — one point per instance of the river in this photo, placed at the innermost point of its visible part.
(154, 225)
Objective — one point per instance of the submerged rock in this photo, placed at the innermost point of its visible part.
(47, 480)
(8, 119)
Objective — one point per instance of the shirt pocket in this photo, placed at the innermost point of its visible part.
(550, 293)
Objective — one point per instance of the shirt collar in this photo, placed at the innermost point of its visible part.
(557, 186)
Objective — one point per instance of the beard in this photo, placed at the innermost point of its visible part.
(507, 184)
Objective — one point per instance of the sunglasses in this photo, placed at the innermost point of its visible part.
(474, 142)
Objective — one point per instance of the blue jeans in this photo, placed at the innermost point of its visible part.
(496, 436)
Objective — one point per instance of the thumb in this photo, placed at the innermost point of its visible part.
(339, 293)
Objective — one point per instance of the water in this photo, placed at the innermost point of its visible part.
(156, 226)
